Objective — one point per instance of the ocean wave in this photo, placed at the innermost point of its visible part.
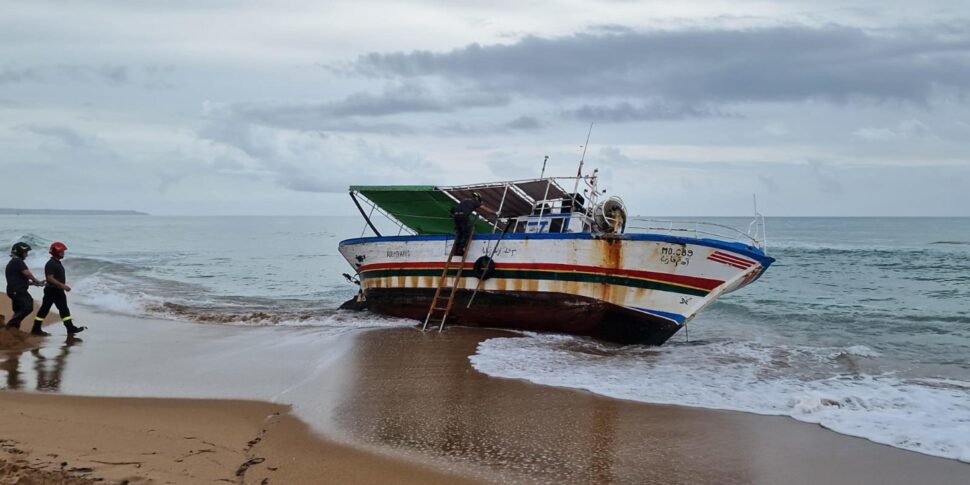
(37, 243)
(870, 314)
(272, 317)
(798, 245)
(811, 384)
(884, 251)
(122, 294)
(855, 351)
(86, 266)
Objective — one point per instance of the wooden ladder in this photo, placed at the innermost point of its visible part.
(445, 293)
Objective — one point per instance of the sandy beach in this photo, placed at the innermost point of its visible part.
(148, 401)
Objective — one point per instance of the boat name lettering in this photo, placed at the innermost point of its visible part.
(505, 251)
(398, 253)
(676, 255)
(499, 251)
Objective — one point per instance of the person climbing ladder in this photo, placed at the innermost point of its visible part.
(461, 215)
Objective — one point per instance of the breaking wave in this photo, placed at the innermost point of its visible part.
(827, 386)
(185, 302)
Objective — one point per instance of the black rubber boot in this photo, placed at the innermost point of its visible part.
(38, 331)
(71, 329)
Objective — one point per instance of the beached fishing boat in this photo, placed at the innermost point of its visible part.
(547, 259)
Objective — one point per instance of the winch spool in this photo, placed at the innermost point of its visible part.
(609, 216)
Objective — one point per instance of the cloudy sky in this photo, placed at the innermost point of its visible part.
(819, 107)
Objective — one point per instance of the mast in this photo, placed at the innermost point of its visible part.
(579, 172)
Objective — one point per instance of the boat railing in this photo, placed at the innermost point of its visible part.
(754, 237)
(550, 222)
(368, 218)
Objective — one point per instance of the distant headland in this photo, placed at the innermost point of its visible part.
(67, 212)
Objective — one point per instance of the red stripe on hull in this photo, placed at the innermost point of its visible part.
(421, 265)
(692, 281)
(728, 262)
(731, 257)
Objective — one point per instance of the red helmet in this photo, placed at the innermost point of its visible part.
(58, 248)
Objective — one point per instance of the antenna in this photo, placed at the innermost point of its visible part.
(543, 173)
(757, 230)
(579, 172)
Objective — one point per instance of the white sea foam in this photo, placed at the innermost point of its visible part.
(856, 350)
(342, 319)
(917, 415)
(108, 294)
(119, 295)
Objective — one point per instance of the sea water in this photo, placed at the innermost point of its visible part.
(862, 325)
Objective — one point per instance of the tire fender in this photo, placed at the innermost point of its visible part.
(484, 267)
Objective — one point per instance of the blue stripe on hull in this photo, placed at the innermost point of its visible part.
(680, 319)
(736, 247)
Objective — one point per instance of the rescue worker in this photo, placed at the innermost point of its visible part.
(19, 279)
(462, 217)
(55, 293)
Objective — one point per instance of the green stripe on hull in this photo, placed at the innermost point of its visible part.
(548, 276)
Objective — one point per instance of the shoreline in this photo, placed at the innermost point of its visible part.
(143, 440)
(363, 405)
(49, 437)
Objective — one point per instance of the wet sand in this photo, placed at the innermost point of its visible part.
(395, 404)
(81, 439)
(46, 437)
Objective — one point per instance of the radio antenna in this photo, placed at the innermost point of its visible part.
(579, 172)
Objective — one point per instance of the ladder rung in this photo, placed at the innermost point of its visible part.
(447, 286)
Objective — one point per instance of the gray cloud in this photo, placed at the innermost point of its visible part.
(906, 129)
(10, 75)
(769, 183)
(150, 76)
(759, 64)
(517, 125)
(826, 182)
(311, 117)
(524, 123)
(305, 161)
(66, 135)
(109, 74)
(652, 110)
(409, 98)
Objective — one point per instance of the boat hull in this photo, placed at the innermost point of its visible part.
(532, 311)
(630, 289)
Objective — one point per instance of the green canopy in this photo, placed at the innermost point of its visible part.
(424, 208)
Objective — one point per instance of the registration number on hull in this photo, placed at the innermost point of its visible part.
(676, 255)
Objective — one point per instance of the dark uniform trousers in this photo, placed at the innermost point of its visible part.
(462, 231)
(56, 297)
(23, 305)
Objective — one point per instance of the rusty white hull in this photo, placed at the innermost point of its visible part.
(633, 288)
